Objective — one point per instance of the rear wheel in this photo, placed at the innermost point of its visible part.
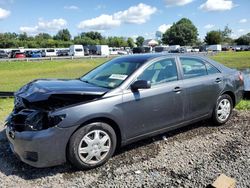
(91, 145)
(223, 109)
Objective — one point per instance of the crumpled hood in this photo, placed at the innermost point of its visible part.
(39, 90)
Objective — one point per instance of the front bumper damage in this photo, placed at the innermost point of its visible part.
(39, 148)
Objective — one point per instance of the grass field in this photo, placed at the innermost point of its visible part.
(15, 74)
(238, 60)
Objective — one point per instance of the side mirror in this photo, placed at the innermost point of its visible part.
(140, 84)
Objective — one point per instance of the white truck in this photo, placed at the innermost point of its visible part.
(76, 50)
(102, 50)
(214, 48)
(173, 47)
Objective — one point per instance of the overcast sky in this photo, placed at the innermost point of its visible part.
(128, 18)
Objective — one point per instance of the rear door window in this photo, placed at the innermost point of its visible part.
(193, 67)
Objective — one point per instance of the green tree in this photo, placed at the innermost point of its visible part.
(23, 36)
(43, 36)
(130, 42)
(243, 40)
(213, 37)
(117, 42)
(139, 41)
(226, 33)
(85, 41)
(11, 36)
(63, 35)
(181, 33)
(93, 35)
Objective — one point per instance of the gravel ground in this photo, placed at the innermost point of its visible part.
(193, 156)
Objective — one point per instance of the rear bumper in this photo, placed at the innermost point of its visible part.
(43, 148)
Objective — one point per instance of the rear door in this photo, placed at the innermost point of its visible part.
(158, 107)
(202, 84)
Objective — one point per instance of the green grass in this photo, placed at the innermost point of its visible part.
(6, 106)
(243, 105)
(238, 60)
(15, 74)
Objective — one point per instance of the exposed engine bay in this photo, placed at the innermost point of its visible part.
(35, 101)
(33, 116)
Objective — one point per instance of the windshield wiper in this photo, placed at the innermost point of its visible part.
(86, 81)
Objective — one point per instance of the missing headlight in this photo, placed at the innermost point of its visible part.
(55, 120)
(36, 121)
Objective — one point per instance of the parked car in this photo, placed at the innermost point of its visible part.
(92, 49)
(160, 49)
(19, 55)
(178, 50)
(13, 53)
(138, 50)
(3, 54)
(43, 53)
(36, 54)
(28, 53)
(126, 99)
(62, 52)
(86, 50)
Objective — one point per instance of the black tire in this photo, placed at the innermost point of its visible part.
(215, 117)
(72, 151)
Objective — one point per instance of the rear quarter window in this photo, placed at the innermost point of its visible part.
(211, 69)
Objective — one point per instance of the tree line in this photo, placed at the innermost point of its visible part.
(183, 33)
(62, 39)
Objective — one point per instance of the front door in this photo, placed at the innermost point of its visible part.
(162, 105)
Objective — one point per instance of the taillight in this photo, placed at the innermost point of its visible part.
(241, 78)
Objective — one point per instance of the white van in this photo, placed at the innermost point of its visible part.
(215, 47)
(76, 50)
(49, 52)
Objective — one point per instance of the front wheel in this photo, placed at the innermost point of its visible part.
(223, 109)
(91, 145)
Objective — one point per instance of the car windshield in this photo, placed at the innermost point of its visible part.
(112, 73)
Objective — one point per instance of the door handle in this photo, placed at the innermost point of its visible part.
(218, 80)
(177, 89)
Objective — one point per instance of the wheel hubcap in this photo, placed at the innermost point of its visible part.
(94, 147)
(223, 109)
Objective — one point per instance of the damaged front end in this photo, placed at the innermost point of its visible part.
(32, 120)
(35, 102)
(35, 128)
(35, 116)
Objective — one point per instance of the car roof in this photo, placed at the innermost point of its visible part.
(150, 56)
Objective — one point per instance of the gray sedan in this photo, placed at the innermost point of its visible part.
(126, 99)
